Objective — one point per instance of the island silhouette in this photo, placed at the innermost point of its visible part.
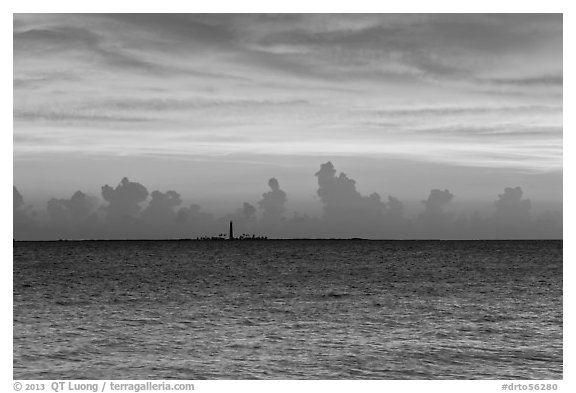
(222, 236)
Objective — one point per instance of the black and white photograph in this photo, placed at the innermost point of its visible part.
(296, 196)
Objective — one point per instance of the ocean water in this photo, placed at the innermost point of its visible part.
(288, 310)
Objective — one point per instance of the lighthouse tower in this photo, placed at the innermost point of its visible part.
(231, 232)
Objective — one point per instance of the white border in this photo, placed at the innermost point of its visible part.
(248, 6)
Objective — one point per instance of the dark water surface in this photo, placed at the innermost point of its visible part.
(288, 310)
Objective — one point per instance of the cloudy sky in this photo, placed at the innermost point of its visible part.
(214, 106)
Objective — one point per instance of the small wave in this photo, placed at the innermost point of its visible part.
(245, 345)
(72, 302)
(336, 295)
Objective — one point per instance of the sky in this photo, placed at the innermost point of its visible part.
(457, 117)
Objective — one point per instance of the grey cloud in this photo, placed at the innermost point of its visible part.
(24, 222)
(436, 201)
(511, 209)
(215, 33)
(161, 207)
(69, 211)
(396, 224)
(455, 110)
(435, 221)
(193, 214)
(471, 133)
(119, 44)
(543, 80)
(247, 212)
(347, 213)
(344, 206)
(502, 131)
(488, 33)
(71, 116)
(63, 37)
(171, 104)
(273, 202)
(181, 27)
(162, 218)
(185, 213)
(111, 111)
(67, 38)
(35, 80)
(124, 201)
(436, 45)
(302, 66)
(407, 40)
(192, 222)
(131, 61)
(513, 218)
(395, 209)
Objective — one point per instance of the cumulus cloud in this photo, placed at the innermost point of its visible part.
(436, 200)
(434, 219)
(344, 206)
(185, 214)
(161, 206)
(396, 224)
(73, 218)
(511, 208)
(247, 212)
(273, 202)
(161, 219)
(512, 217)
(193, 222)
(23, 216)
(346, 213)
(65, 211)
(395, 209)
(124, 200)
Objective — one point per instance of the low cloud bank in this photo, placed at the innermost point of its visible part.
(130, 211)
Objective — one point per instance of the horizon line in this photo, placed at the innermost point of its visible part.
(278, 239)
